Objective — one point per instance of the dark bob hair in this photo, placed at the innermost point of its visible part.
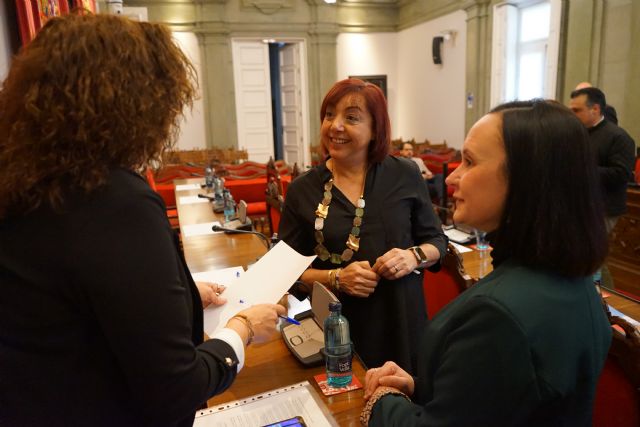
(554, 216)
(377, 106)
(89, 94)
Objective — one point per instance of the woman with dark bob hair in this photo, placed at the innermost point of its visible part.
(101, 320)
(524, 346)
(367, 253)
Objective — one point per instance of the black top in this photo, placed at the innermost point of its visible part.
(398, 214)
(520, 348)
(615, 155)
(610, 114)
(101, 321)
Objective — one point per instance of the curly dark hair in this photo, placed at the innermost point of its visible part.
(90, 93)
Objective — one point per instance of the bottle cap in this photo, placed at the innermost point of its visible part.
(335, 306)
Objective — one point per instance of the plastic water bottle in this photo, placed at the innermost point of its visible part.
(208, 177)
(337, 347)
(229, 206)
(597, 278)
(218, 189)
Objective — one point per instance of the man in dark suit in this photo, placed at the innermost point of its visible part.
(609, 111)
(615, 155)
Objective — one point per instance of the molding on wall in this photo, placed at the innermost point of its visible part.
(414, 12)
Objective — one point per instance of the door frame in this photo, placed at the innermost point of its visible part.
(304, 86)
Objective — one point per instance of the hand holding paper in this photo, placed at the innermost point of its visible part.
(265, 282)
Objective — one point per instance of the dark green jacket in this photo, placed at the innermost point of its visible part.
(521, 348)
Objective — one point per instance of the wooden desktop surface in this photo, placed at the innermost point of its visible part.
(478, 264)
(268, 365)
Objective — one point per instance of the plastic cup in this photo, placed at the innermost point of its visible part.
(481, 240)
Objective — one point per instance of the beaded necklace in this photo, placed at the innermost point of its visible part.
(353, 241)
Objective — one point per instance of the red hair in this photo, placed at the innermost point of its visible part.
(377, 106)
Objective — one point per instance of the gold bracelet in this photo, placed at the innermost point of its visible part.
(337, 279)
(380, 393)
(244, 319)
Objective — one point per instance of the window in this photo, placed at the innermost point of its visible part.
(525, 50)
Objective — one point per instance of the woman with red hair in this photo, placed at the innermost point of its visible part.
(369, 219)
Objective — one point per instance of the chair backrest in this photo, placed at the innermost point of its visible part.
(442, 287)
(274, 195)
(616, 402)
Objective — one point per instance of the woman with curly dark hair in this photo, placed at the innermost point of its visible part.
(101, 320)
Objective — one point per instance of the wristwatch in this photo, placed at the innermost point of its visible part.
(420, 256)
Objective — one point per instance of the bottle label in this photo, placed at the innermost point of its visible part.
(339, 363)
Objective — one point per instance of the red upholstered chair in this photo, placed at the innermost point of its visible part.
(637, 170)
(616, 402)
(251, 191)
(167, 192)
(277, 184)
(442, 287)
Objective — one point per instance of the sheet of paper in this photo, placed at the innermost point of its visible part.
(199, 229)
(184, 187)
(265, 282)
(223, 276)
(269, 407)
(189, 200)
(615, 312)
(460, 248)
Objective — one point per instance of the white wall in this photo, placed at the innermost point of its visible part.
(431, 98)
(192, 130)
(371, 54)
(426, 101)
(5, 48)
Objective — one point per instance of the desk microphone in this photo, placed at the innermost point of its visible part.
(235, 231)
(204, 196)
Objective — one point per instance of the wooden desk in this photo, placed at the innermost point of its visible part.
(478, 264)
(213, 250)
(270, 365)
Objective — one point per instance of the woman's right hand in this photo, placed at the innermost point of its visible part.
(263, 319)
(358, 279)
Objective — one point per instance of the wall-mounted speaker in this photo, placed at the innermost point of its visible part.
(436, 49)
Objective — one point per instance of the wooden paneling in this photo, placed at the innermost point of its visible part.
(624, 247)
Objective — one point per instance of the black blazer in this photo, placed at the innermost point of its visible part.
(101, 323)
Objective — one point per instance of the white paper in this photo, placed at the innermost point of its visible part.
(184, 187)
(266, 281)
(189, 200)
(223, 276)
(266, 408)
(615, 312)
(199, 229)
(460, 248)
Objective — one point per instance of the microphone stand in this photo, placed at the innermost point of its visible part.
(204, 196)
(234, 231)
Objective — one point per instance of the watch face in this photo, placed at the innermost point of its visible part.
(420, 254)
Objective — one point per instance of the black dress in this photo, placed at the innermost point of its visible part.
(398, 214)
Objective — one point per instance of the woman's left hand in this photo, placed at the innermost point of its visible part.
(395, 264)
(388, 375)
(210, 293)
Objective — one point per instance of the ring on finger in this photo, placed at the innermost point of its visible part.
(395, 267)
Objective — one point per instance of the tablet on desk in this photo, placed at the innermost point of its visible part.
(458, 236)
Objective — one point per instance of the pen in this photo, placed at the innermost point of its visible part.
(290, 320)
